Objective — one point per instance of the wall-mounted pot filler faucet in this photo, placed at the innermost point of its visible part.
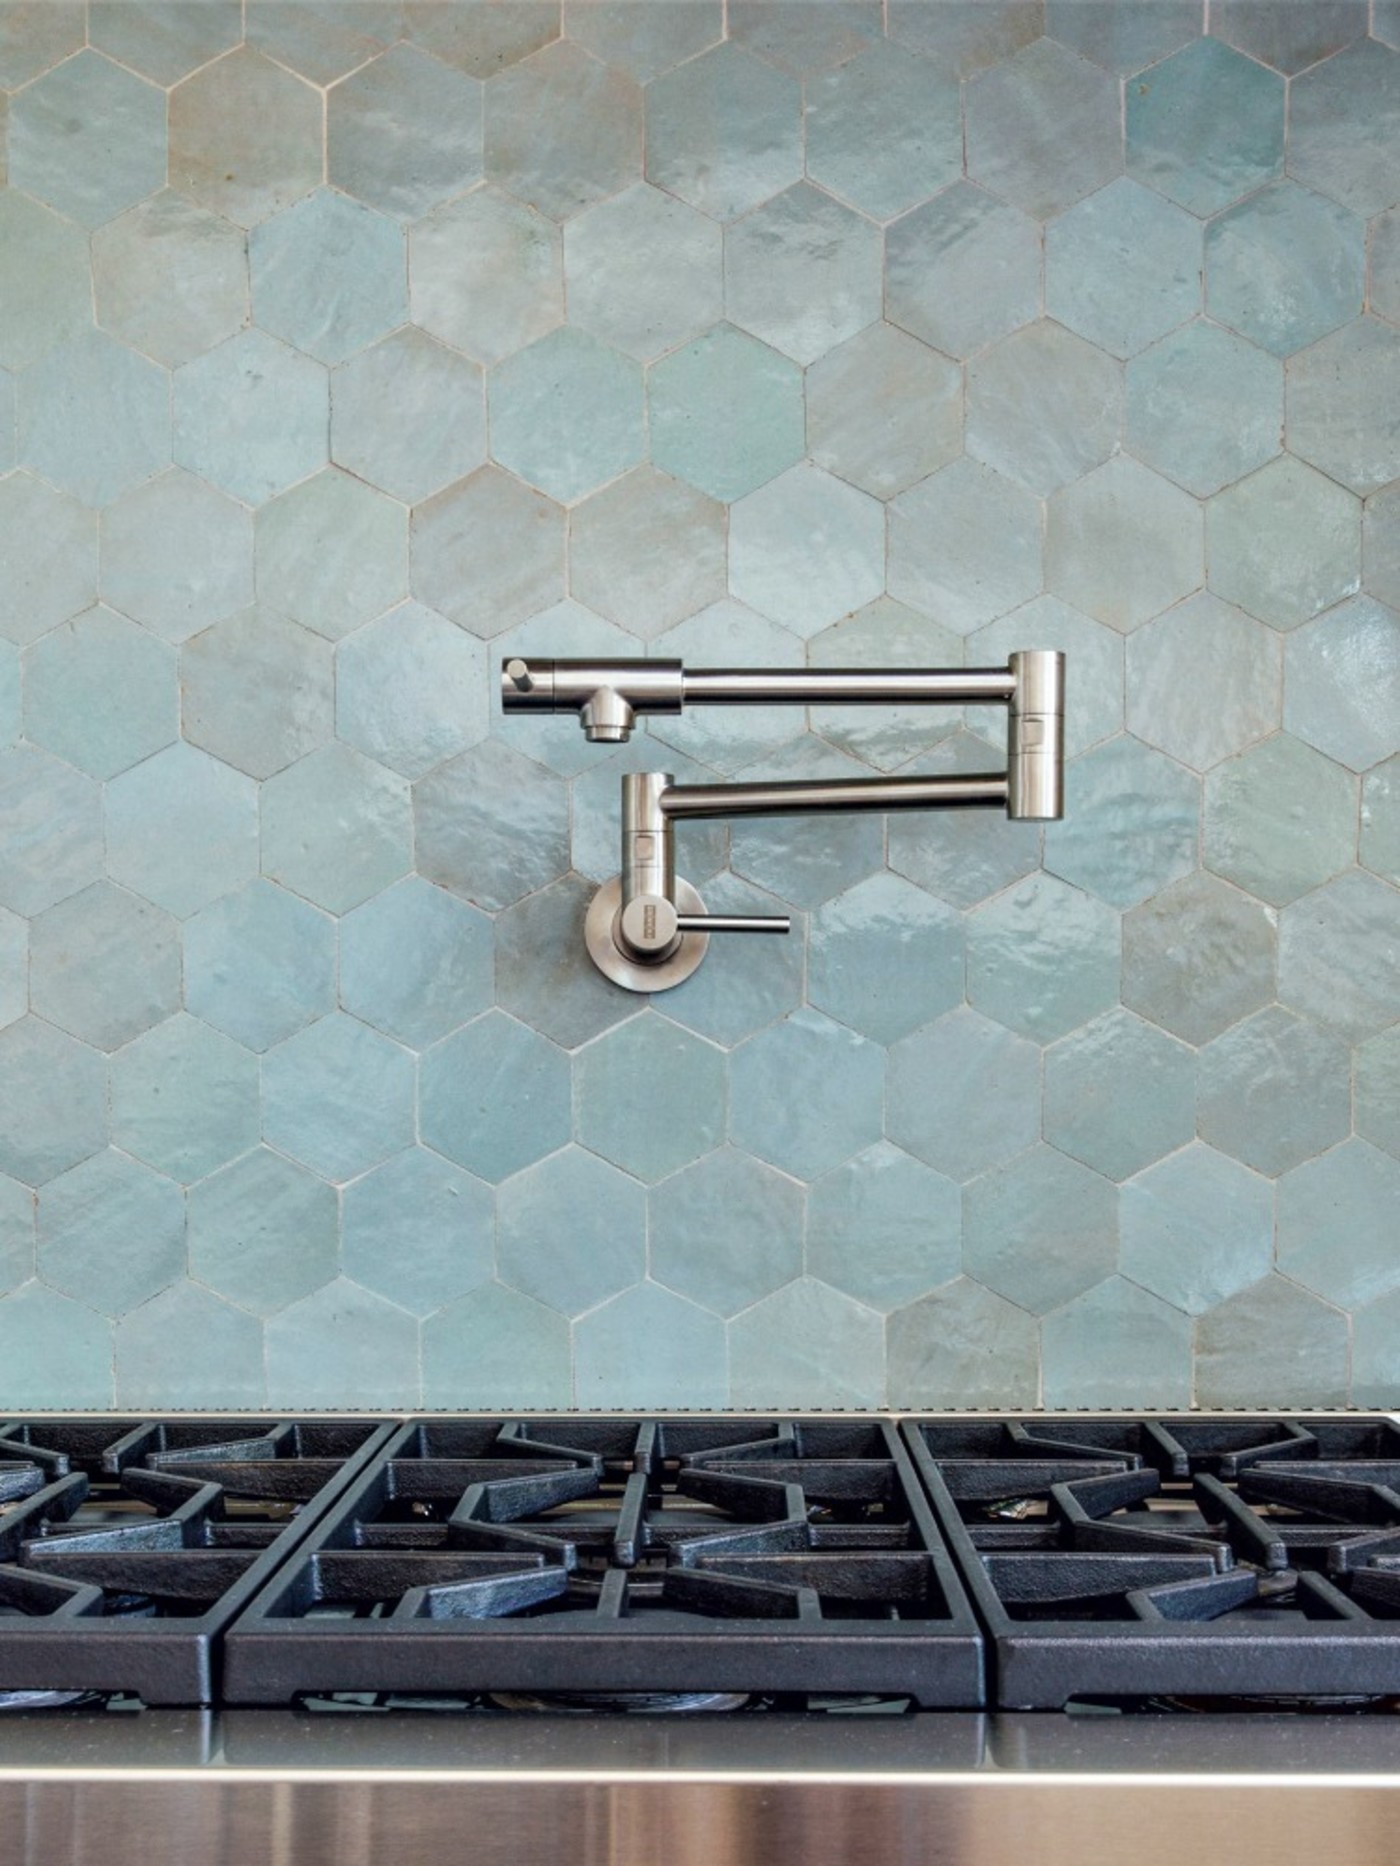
(647, 929)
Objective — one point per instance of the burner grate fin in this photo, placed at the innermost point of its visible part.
(18, 1448)
(25, 1592)
(708, 1592)
(629, 1539)
(1204, 1599)
(991, 1481)
(1054, 1580)
(19, 1480)
(483, 1597)
(1378, 1587)
(1328, 1494)
(192, 1574)
(1107, 1446)
(1251, 1536)
(55, 1503)
(749, 1499)
(183, 1528)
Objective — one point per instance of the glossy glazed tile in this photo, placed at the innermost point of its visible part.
(260, 964)
(467, 839)
(101, 692)
(883, 130)
(962, 270)
(408, 415)
(1044, 129)
(962, 856)
(1119, 1094)
(725, 1231)
(802, 273)
(647, 552)
(1341, 404)
(104, 965)
(884, 1227)
(486, 275)
(724, 131)
(250, 416)
(319, 38)
(1092, 650)
(1116, 1345)
(161, 40)
(1205, 127)
(1274, 1091)
(176, 555)
(403, 133)
(1280, 819)
(965, 545)
(839, 1109)
(1235, 658)
(257, 691)
(725, 413)
(184, 1099)
(806, 549)
(1285, 267)
(563, 130)
(496, 1347)
(415, 962)
(727, 634)
(338, 1097)
(263, 1232)
(57, 1352)
(343, 1346)
(1199, 957)
(1335, 955)
(494, 1097)
(963, 1094)
(170, 278)
(1197, 1228)
(961, 1346)
(1284, 543)
(644, 272)
(567, 414)
(454, 540)
(1379, 844)
(571, 1231)
(1378, 1091)
(1289, 38)
(806, 860)
(807, 1340)
(1123, 39)
(48, 295)
(1122, 544)
(34, 38)
(245, 137)
(1342, 692)
(645, 44)
(650, 1097)
(1342, 117)
(337, 828)
(52, 817)
(420, 1231)
(185, 1347)
(884, 411)
(111, 1233)
(1131, 823)
(1044, 407)
(88, 139)
(884, 957)
(1123, 267)
(1204, 407)
(93, 418)
(646, 1342)
(411, 690)
(1040, 1230)
(1043, 957)
(1333, 1221)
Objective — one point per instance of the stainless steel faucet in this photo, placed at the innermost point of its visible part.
(648, 929)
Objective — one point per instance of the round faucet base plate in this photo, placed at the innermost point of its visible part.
(633, 974)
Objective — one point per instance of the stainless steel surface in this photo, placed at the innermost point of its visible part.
(639, 974)
(848, 686)
(1035, 740)
(832, 796)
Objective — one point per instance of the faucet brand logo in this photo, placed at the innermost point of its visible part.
(649, 923)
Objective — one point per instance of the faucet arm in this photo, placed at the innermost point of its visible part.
(818, 798)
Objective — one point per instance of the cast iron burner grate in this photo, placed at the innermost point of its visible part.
(1182, 1557)
(619, 1556)
(126, 1545)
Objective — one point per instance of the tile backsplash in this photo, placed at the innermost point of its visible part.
(347, 347)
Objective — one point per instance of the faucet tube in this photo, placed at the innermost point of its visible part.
(1035, 739)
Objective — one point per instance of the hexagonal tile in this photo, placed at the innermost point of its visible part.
(965, 546)
(806, 549)
(342, 1346)
(176, 555)
(338, 1097)
(1373, 1353)
(1197, 1228)
(567, 414)
(7, 422)
(496, 1347)
(726, 1231)
(885, 957)
(164, 42)
(184, 1098)
(404, 133)
(104, 965)
(251, 416)
(488, 552)
(802, 272)
(259, 964)
(563, 130)
(322, 41)
(1378, 1090)
(89, 139)
(408, 415)
(963, 1346)
(1198, 957)
(14, 995)
(101, 692)
(263, 1232)
(802, 1341)
(257, 691)
(1040, 1230)
(1119, 1094)
(966, 35)
(495, 1097)
(1204, 407)
(32, 38)
(1123, 268)
(728, 1003)
(1274, 1091)
(336, 828)
(964, 1094)
(726, 413)
(182, 829)
(187, 1348)
(48, 545)
(1122, 544)
(1343, 127)
(1379, 848)
(569, 630)
(1043, 958)
(807, 860)
(52, 821)
(962, 856)
(544, 975)
(1335, 955)
(419, 1231)
(54, 1112)
(723, 132)
(884, 1227)
(648, 1347)
(725, 737)
(1205, 126)
(1289, 39)
(1283, 543)
(1385, 265)
(1117, 1346)
(1044, 407)
(647, 43)
(17, 1204)
(1285, 267)
(1234, 658)
(486, 275)
(333, 553)
(884, 130)
(650, 1097)
(1335, 1223)
(962, 270)
(647, 552)
(328, 275)
(94, 418)
(1341, 404)
(1043, 129)
(170, 278)
(1122, 39)
(802, 37)
(57, 1352)
(571, 1231)
(1381, 545)
(491, 825)
(1131, 823)
(885, 634)
(645, 272)
(883, 410)
(1343, 683)
(415, 962)
(48, 286)
(111, 1233)
(411, 690)
(806, 1094)
(245, 137)
(1095, 654)
(1280, 820)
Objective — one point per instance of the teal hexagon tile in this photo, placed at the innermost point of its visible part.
(1116, 1345)
(1289, 38)
(257, 691)
(649, 1347)
(481, 38)
(806, 1094)
(1335, 1219)
(1343, 122)
(1285, 267)
(1040, 1230)
(94, 418)
(1197, 1228)
(807, 860)
(32, 39)
(1204, 407)
(884, 957)
(182, 829)
(807, 1345)
(1284, 543)
(170, 278)
(647, 552)
(1380, 545)
(963, 1346)
(802, 272)
(1385, 21)
(1234, 658)
(245, 137)
(727, 1002)
(336, 828)
(723, 132)
(403, 133)
(51, 818)
(1043, 958)
(411, 690)
(495, 1347)
(1205, 127)
(17, 1205)
(1044, 407)
(56, 1352)
(965, 546)
(650, 1096)
(644, 272)
(1123, 268)
(645, 42)
(11, 704)
(1044, 129)
(88, 139)
(1123, 39)
(343, 1346)
(186, 1348)
(726, 1231)
(1373, 1362)
(101, 692)
(1336, 951)
(486, 275)
(1093, 652)
(883, 410)
(1131, 823)
(1385, 265)
(563, 130)
(419, 1231)
(332, 553)
(568, 630)
(966, 35)
(964, 1094)
(884, 1228)
(567, 414)
(322, 39)
(962, 856)
(1272, 1345)
(251, 416)
(14, 990)
(1342, 683)
(184, 1099)
(1378, 1090)
(1280, 819)
(1274, 1091)
(111, 1233)
(104, 965)
(328, 275)
(885, 634)
(408, 415)
(544, 975)
(1119, 1094)
(1123, 544)
(805, 37)
(726, 413)
(962, 270)
(495, 1097)
(54, 1111)
(1198, 957)
(884, 130)
(725, 737)
(163, 41)
(338, 1097)
(259, 964)
(491, 825)
(488, 552)
(48, 283)
(1379, 847)
(176, 555)
(806, 549)
(571, 1231)
(1341, 404)
(7, 422)
(415, 962)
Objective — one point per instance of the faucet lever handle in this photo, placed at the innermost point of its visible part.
(733, 923)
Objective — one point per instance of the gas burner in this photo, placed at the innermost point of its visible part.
(647, 1702)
